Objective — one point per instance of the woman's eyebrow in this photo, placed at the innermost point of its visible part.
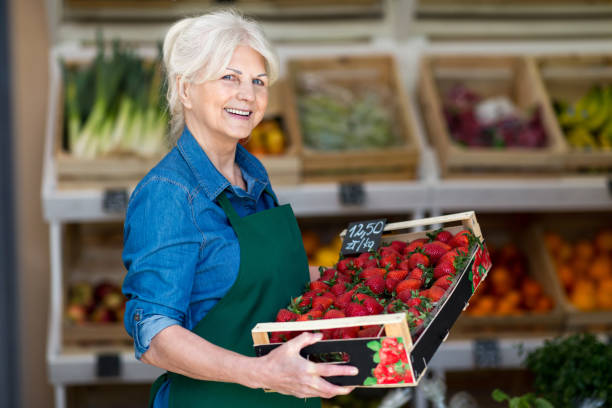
(240, 72)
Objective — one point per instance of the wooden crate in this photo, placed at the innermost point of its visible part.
(573, 229)
(111, 171)
(352, 72)
(286, 168)
(419, 346)
(501, 75)
(550, 323)
(92, 254)
(569, 77)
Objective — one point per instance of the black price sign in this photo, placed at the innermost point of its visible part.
(115, 201)
(363, 236)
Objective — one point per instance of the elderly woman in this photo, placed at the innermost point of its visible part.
(209, 251)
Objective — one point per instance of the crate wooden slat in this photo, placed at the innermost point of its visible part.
(388, 163)
(569, 77)
(500, 75)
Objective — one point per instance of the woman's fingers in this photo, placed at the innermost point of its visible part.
(303, 340)
(331, 370)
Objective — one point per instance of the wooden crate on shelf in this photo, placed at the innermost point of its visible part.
(353, 73)
(92, 301)
(109, 171)
(519, 322)
(571, 231)
(284, 168)
(417, 347)
(513, 77)
(569, 78)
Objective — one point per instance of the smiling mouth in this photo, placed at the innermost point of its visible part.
(241, 113)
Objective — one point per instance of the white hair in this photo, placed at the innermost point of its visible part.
(198, 49)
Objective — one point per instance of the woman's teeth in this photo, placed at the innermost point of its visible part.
(238, 112)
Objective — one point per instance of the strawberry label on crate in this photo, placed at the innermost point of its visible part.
(391, 359)
(482, 263)
(363, 236)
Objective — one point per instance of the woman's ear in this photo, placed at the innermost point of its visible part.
(183, 92)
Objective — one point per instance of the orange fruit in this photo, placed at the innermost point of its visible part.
(566, 251)
(544, 304)
(311, 242)
(584, 249)
(603, 240)
(553, 242)
(600, 268)
(531, 292)
(566, 276)
(501, 281)
(604, 294)
(581, 266)
(583, 295)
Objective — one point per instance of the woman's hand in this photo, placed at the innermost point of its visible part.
(285, 371)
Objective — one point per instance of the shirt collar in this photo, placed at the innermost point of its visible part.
(211, 180)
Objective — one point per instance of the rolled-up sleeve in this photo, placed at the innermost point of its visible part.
(162, 246)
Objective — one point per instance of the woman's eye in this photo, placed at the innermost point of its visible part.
(258, 81)
(228, 76)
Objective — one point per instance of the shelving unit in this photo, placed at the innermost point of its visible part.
(427, 194)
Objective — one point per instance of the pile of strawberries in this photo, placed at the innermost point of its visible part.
(399, 277)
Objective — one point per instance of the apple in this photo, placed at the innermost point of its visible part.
(76, 313)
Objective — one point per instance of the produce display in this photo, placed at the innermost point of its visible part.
(509, 289)
(474, 121)
(318, 254)
(584, 267)
(399, 277)
(99, 303)
(115, 105)
(335, 117)
(267, 138)
(587, 122)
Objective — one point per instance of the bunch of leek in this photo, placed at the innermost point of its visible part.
(116, 105)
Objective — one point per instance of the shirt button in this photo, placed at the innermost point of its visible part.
(137, 317)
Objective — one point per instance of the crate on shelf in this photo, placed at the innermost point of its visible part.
(568, 79)
(414, 349)
(516, 250)
(93, 304)
(512, 78)
(345, 82)
(284, 164)
(578, 241)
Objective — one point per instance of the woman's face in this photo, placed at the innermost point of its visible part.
(233, 104)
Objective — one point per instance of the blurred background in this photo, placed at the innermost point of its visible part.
(399, 109)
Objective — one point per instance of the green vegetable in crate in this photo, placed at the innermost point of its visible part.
(338, 119)
(115, 105)
(588, 122)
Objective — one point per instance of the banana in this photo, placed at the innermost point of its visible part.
(580, 138)
(605, 135)
(603, 101)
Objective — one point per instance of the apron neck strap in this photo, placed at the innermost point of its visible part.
(227, 206)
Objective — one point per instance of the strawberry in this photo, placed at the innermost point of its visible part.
(285, 315)
(395, 306)
(318, 286)
(346, 333)
(459, 253)
(371, 304)
(370, 272)
(461, 239)
(441, 235)
(390, 284)
(405, 295)
(399, 274)
(444, 282)
(345, 266)
(322, 303)
(333, 314)
(435, 250)
(329, 275)
(363, 261)
(389, 261)
(416, 259)
(355, 309)
(434, 293)
(376, 284)
(404, 264)
(387, 251)
(369, 331)
(414, 245)
(399, 246)
(342, 278)
(343, 300)
(410, 284)
(329, 295)
(280, 337)
(312, 315)
(443, 269)
(414, 301)
(338, 289)
(417, 274)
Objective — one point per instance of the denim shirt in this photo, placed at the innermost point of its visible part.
(181, 253)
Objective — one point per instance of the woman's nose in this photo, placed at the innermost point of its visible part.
(246, 91)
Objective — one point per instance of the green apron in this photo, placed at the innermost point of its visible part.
(273, 266)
